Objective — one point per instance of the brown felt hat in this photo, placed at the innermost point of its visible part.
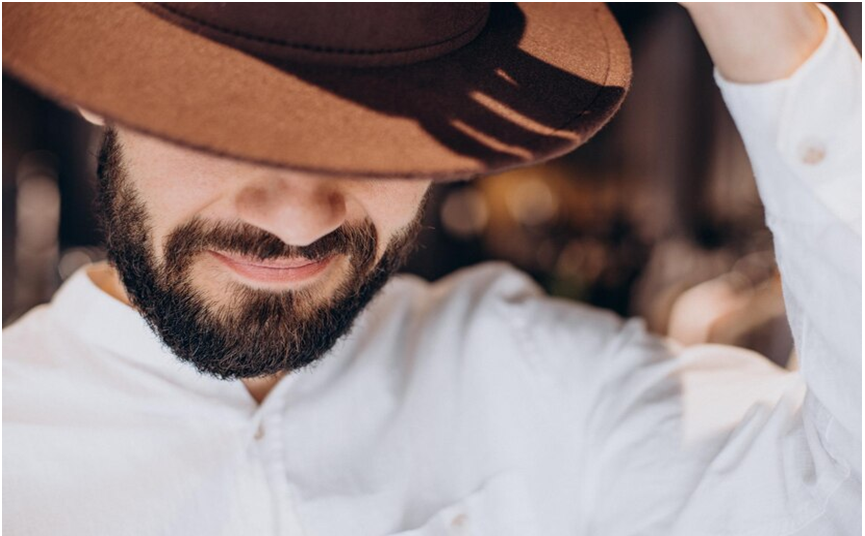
(431, 90)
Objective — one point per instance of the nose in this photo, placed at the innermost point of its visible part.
(297, 208)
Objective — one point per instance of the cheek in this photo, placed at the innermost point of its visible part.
(393, 205)
(175, 184)
(172, 201)
(170, 179)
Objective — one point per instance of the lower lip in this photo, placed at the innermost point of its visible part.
(271, 274)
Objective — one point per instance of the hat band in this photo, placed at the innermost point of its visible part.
(223, 27)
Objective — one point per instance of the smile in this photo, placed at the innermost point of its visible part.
(272, 270)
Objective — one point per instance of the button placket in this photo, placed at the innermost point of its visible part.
(269, 442)
(259, 431)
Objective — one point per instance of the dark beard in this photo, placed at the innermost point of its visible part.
(263, 332)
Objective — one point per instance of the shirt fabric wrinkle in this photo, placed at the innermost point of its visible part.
(476, 404)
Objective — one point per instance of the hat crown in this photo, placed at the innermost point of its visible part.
(348, 34)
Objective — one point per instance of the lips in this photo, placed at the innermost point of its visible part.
(272, 270)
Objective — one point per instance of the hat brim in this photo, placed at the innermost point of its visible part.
(537, 82)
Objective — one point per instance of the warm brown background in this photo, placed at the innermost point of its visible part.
(661, 201)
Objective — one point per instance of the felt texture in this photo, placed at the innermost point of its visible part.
(334, 33)
(536, 82)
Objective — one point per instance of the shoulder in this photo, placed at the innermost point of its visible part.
(495, 309)
(488, 288)
(483, 295)
(35, 358)
(482, 288)
(26, 341)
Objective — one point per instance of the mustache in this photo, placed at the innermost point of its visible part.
(198, 235)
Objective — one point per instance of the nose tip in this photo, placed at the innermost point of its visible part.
(298, 211)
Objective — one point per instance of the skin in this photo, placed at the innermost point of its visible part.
(749, 43)
(758, 42)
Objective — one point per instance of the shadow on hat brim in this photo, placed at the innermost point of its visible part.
(538, 82)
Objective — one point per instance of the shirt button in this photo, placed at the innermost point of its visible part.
(259, 432)
(812, 152)
(459, 521)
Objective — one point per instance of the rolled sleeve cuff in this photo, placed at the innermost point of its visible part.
(812, 121)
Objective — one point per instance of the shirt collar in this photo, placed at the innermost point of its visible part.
(103, 321)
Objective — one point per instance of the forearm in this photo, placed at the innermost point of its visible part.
(758, 42)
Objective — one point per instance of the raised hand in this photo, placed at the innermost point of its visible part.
(758, 42)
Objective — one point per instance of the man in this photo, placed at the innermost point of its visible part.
(234, 370)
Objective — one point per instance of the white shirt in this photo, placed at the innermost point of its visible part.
(478, 405)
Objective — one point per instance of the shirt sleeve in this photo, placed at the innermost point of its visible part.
(803, 135)
(717, 440)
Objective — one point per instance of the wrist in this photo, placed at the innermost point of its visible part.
(753, 43)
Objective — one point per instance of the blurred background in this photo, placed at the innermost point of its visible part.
(657, 216)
